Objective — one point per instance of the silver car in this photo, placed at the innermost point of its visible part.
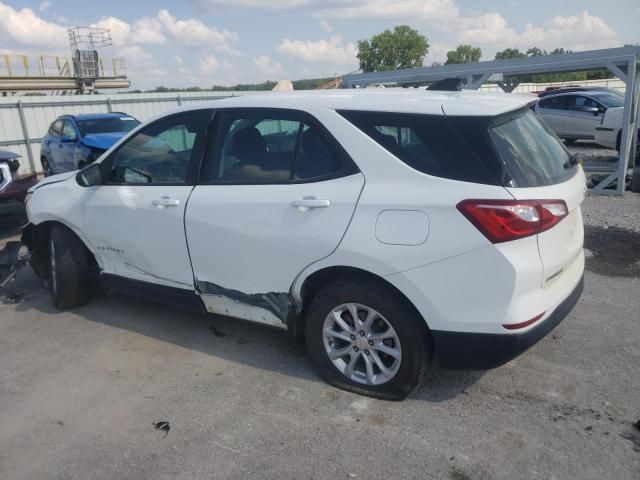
(577, 115)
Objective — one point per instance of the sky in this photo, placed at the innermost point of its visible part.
(224, 42)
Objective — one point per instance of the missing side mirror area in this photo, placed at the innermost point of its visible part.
(89, 176)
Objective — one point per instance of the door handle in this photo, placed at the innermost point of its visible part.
(306, 203)
(164, 202)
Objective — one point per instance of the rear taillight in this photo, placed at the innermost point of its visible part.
(506, 220)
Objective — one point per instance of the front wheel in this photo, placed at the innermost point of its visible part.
(363, 337)
(70, 281)
(46, 167)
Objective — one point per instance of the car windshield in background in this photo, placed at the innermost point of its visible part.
(532, 153)
(610, 99)
(107, 125)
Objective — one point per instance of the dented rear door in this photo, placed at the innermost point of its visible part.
(249, 242)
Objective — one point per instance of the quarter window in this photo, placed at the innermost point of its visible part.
(427, 143)
(162, 152)
(272, 147)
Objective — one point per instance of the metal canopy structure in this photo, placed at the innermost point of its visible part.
(622, 62)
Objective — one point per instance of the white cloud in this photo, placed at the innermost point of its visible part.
(575, 32)
(266, 66)
(209, 64)
(17, 27)
(325, 26)
(45, 5)
(193, 32)
(332, 51)
(148, 30)
(410, 10)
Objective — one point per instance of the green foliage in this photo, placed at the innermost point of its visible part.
(510, 53)
(463, 54)
(402, 47)
(550, 77)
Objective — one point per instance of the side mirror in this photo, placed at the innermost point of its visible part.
(68, 138)
(89, 176)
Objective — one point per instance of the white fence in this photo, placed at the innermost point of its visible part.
(24, 120)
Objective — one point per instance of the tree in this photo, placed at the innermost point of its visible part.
(510, 53)
(536, 52)
(463, 54)
(402, 47)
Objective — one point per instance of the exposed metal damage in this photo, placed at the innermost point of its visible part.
(272, 308)
(11, 262)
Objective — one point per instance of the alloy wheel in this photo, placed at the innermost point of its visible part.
(362, 344)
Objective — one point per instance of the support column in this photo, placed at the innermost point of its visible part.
(25, 135)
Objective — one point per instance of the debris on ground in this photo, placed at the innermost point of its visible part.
(162, 425)
(11, 262)
(217, 332)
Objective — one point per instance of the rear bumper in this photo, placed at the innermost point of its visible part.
(481, 351)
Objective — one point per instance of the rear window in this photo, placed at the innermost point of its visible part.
(427, 143)
(532, 153)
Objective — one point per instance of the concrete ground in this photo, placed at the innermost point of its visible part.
(79, 391)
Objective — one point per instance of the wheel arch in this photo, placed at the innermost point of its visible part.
(36, 238)
(316, 280)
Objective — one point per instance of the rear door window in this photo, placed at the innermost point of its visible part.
(427, 143)
(273, 146)
(530, 150)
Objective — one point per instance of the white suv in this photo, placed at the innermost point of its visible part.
(383, 227)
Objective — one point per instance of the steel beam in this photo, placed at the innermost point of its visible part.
(14, 84)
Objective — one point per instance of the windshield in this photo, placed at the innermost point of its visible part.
(532, 153)
(107, 125)
(610, 99)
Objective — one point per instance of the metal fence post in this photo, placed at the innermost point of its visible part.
(109, 106)
(25, 135)
(179, 100)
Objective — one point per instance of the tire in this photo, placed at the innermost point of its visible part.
(46, 167)
(70, 280)
(388, 309)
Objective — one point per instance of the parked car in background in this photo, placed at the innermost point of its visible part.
(74, 141)
(13, 189)
(575, 88)
(465, 240)
(577, 115)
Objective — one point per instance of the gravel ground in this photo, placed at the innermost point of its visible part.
(79, 391)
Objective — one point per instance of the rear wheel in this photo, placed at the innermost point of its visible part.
(46, 167)
(70, 280)
(364, 338)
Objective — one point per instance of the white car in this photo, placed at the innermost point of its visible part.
(584, 115)
(384, 227)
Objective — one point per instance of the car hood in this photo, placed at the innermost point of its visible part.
(103, 141)
(60, 177)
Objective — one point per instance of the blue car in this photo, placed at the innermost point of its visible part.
(74, 141)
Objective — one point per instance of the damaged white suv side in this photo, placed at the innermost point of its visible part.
(383, 227)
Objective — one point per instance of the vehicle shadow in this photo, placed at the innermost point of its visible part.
(233, 340)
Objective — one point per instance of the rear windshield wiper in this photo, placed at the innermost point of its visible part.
(574, 159)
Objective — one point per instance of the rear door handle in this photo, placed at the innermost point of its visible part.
(164, 202)
(306, 203)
